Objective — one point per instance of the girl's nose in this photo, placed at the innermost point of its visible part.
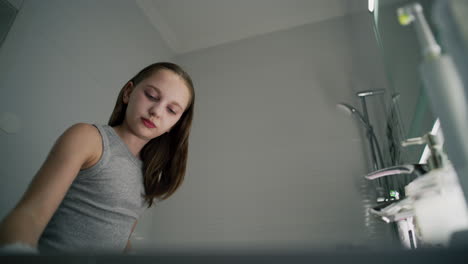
(155, 110)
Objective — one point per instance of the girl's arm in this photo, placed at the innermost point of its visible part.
(76, 148)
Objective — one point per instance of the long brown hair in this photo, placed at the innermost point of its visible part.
(165, 157)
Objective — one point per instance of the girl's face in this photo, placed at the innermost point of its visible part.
(155, 104)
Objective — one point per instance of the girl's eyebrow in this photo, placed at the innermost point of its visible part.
(159, 92)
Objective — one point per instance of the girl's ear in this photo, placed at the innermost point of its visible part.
(127, 91)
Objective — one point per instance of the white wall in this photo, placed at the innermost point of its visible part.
(64, 62)
(368, 73)
(272, 163)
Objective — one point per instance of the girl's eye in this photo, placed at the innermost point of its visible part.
(171, 111)
(151, 97)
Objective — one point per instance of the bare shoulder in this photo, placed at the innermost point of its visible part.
(71, 151)
(89, 138)
(84, 127)
(29, 218)
(83, 131)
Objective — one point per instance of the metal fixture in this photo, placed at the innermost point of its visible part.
(377, 160)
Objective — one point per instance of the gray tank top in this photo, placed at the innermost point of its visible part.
(102, 204)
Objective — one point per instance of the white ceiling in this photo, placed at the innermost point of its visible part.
(188, 25)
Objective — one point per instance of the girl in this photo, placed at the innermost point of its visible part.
(97, 179)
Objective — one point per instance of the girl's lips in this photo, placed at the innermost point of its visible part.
(148, 123)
